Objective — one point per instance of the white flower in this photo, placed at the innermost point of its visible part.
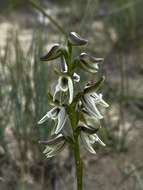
(57, 113)
(98, 99)
(54, 145)
(65, 83)
(51, 151)
(90, 102)
(89, 63)
(89, 138)
(92, 121)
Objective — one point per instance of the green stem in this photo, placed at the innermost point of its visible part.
(78, 161)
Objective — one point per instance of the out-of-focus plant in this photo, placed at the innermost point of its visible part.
(126, 17)
(79, 111)
(22, 94)
(35, 4)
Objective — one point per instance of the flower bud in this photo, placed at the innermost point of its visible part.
(76, 40)
(54, 53)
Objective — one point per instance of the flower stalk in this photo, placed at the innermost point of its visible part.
(76, 147)
(78, 163)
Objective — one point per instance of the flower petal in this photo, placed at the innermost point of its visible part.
(50, 114)
(93, 121)
(70, 86)
(76, 77)
(63, 83)
(51, 151)
(61, 120)
(64, 67)
(91, 107)
(89, 59)
(44, 118)
(89, 129)
(98, 139)
(88, 69)
(53, 140)
(57, 89)
(98, 99)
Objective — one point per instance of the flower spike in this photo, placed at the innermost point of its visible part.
(75, 118)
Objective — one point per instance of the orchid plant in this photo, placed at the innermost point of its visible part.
(80, 111)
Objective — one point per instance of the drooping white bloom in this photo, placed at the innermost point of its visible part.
(57, 113)
(90, 102)
(89, 138)
(90, 106)
(88, 134)
(92, 121)
(51, 151)
(89, 63)
(54, 145)
(87, 142)
(65, 83)
(98, 99)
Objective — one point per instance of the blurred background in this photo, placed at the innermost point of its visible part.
(27, 30)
